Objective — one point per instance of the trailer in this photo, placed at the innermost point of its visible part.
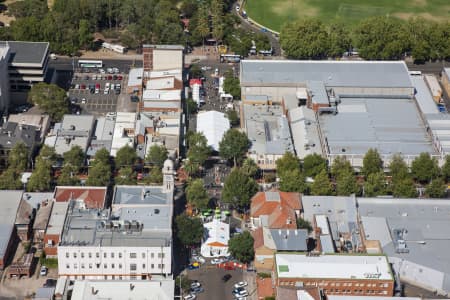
(117, 48)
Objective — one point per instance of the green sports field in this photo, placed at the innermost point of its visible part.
(274, 13)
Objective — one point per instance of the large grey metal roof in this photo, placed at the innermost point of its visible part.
(27, 52)
(423, 96)
(10, 201)
(332, 73)
(289, 239)
(138, 195)
(426, 222)
(388, 125)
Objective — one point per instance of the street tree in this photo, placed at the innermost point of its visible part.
(126, 176)
(293, 181)
(288, 162)
(10, 180)
(74, 158)
(18, 157)
(196, 194)
(234, 145)
(241, 247)
(404, 188)
(305, 39)
(313, 164)
(233, 117)
(125, 156)
(100, 169)
(322, 185)
(41, 179)
(445, 170)
(232, 86)
(238, 189)
(375, 185)
(425, 168)
(48, 153)
(68, 176)
(155, 176)
(199, 150)
(372, 163)
(50, 98)
(340, 165)
(436, 189)
(346, 184)
(398, 168)
(157, 155)
(189, 230)
(249, 167)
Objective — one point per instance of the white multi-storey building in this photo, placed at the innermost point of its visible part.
(132, 241)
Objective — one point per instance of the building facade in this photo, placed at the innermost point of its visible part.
(4, 77)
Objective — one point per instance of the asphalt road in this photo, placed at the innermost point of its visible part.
(429, 67)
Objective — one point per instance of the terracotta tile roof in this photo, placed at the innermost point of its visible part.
(293, 200)
(217, 244)
(93, 197)
(258, 238)
(264, 287)
(280, 217)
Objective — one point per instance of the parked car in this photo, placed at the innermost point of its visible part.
(109, 77)
(119, 77)
(226, 277)
(43, 271)
(114, 77)
(83, 101)
(240, 284)
(83, 87)
(106, 91)
(195, 284)
(217, 261)
(199, 259)
(240, 293)
(77, 86)
(197, 290)
(97, 85)
(97, 91)
(190, 297)
(116, 70)
(193, 266)
(102, 71)
(73, 100)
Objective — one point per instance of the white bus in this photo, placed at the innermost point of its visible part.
(90, 64)
(233, 58)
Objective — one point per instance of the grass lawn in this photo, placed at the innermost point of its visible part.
(274, 13)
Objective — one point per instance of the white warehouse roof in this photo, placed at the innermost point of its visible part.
(213, 125)
(332, 266)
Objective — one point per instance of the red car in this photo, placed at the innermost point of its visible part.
(97, 85)
(83, 86)
(110, 77)
(119, 77)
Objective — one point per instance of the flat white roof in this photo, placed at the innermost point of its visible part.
(217, 232)
(135, 76)
(124, 289)
(155, 94)
(333, 266)
(124, 121)
(213, 125)
(57, 217)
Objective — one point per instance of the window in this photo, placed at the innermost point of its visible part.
(152, 266)
(98, 266)
(82, 254)
(120, 266)
(67, 266)
(105, 266)
(143, 266)
(90, 255)
(143, 255)
(97, 255)
(160, 255)
(67, 254)
(133, 267)
(82, 266)
(112, 254)
(152, 255)
(75, 266)
(74, 255)
(104, 254)
(160, 266)
(133, 255)
(90, 266)
(112, 266)
(120, 254)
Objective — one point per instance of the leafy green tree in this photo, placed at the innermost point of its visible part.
(195, 71)
(262, 42)
(340, 165)
(234, 145)
(191, 167)
(202, 22)
(41, 179)
(232, 86)
(339, 39)
(249, 167)
(50, 98)
(313, 164)
(10, 180)
(84, 34)
(199, 150)
(398, 168)
(191, 106)
(346, 184)
(189, 230)
(424, 168)
(305, 39)
(293, 181)
(404, 188)
(196, 194)
(100, 169)
(28, 8)
(436, 189)
(233, 117)
(372, 163)
(304, 224)
(126, 176)
(288, 162)
(446, 168)
(238, 189)
(157, 155)
(18, 157)
(126, 156)
(74, 157)
(241, 247)
(68, 176)
(375, 185)
(155, 176)
(322, 185)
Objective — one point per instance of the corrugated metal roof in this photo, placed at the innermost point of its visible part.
(10, 204)
(423, 96)
(332, 73)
